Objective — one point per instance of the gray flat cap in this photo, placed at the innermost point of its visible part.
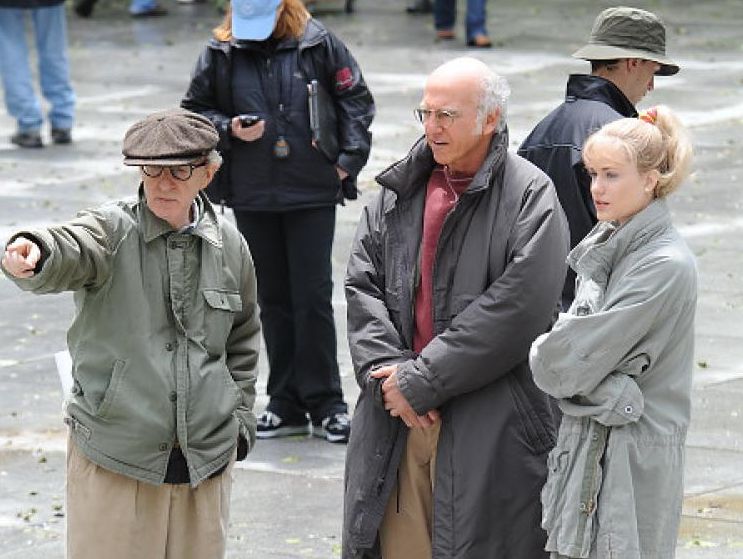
(623, 32)
(172, 137)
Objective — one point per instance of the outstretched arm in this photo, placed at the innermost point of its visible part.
(67, 257)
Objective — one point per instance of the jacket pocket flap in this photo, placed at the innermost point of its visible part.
(223, 300)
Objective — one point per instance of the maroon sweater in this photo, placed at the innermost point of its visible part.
(441, 197)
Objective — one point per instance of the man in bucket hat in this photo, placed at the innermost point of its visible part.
(164, 348)
(627, 49)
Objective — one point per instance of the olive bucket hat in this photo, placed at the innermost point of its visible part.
(623, 32)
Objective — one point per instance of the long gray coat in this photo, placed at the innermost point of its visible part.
(620, 361)
(499, 270)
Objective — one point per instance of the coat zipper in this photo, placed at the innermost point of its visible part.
(447, 219)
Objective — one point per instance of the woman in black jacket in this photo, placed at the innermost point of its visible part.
(284, 190)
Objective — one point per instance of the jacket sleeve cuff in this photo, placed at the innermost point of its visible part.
(630, 405)
(417, 390)
(43, 241)
(350, 162)
(617, 401)
(246, 436)
(374, 385)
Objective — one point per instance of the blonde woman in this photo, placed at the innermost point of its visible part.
(251, 82)
(620, 360)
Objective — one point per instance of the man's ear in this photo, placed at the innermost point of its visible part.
(492, 120)
(211, 170)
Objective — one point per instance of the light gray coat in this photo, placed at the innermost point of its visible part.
(620, 361)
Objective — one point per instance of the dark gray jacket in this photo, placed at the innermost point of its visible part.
(499, 269)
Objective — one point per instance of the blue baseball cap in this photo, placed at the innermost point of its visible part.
(254, 20)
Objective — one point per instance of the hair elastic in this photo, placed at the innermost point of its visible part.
(650, 116)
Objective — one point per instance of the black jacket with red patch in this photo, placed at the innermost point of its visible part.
(269, 79)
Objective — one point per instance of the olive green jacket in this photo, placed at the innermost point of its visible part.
(165, 340)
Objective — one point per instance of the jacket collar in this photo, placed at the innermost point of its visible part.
(596, 88)
(406, 176)
(607, 243)
(207, 228)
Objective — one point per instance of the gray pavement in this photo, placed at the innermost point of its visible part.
(287, 495)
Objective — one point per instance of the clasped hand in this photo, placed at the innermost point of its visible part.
(396, 403)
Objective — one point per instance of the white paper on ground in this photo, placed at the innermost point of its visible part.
(64, 369)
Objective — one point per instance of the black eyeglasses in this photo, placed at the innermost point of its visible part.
(178, 172)
(442, 117)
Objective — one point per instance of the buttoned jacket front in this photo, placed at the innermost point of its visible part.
(165, 340)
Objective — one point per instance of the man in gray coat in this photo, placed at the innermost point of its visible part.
(456, 268)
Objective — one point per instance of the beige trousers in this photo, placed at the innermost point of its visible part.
(115, 517)
(405, 532)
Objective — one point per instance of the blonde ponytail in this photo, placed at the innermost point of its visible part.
(657, 141)
(678, 150)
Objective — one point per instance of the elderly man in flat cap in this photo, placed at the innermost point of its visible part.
(627, 49)
(164, 347)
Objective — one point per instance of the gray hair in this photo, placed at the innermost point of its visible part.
(214, 158)
(494, 96)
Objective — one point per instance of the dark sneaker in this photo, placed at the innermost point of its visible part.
(31, 139)
(61, 135)
(420, 7)
(84, 8)
(336, 428)
(271, 426)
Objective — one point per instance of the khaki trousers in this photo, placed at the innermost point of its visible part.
(405, 532)
(115, 517)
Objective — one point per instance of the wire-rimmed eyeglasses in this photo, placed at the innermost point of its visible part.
(442, 117)
(178, 172)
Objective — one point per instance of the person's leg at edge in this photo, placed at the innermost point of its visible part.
(406, 529)
(309, 246)
(266, 238)
(20, 98)
(444, 18)
(54, 68)
(477, 34)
